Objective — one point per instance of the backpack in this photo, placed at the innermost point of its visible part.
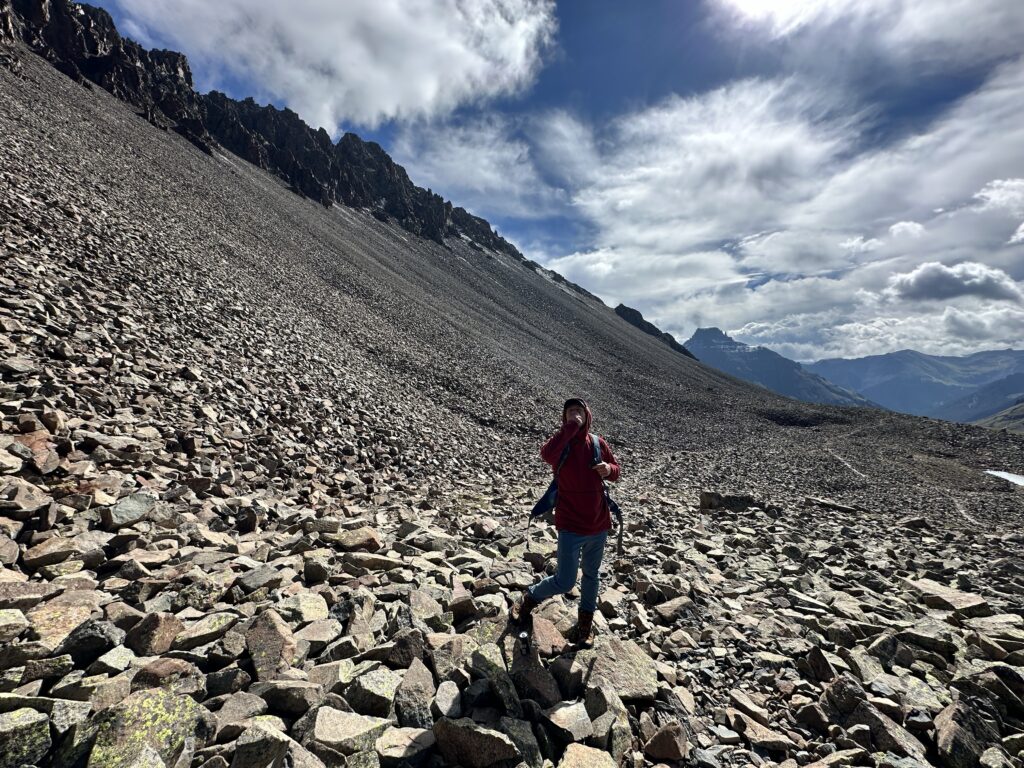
(547, 502)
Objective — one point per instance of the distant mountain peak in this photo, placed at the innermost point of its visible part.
(771, 370)
(921, 384)
(710, 334)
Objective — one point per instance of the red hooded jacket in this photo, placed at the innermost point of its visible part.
(580, 508)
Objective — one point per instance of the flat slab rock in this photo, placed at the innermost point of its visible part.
(464, 742)
(579, 756)
(346, 732)
(940, 596)
(631, 672)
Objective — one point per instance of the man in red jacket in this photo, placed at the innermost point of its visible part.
(581, 515)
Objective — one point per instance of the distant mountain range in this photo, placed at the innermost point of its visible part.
(985, 388)
(985, 401)
(929, 385)
(769, 369)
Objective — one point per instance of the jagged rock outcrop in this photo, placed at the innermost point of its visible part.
(83, 43)
(634, 317)
(277, 141)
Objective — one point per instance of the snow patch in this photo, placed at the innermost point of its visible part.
(1018, 479)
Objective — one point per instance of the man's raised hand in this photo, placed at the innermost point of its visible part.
(603, 469)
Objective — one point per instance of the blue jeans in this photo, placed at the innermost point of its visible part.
(573, 548)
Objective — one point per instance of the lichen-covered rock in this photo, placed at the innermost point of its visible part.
(127, 511)
(464, 742)
(260, 747)
(271, 645)
(24, 737)
(373, 692)
(205, 630)
(152, 718)
(414, 696)
(345, 732)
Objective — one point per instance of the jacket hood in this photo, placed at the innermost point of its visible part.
(588, 417)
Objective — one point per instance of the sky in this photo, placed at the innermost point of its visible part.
(827, 178)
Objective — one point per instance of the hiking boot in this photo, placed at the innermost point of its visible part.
(523, 610)
(584, 634)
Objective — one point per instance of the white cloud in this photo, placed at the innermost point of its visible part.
(859, 245)
(1003, 194)
(755, 204)
(934, 281)
(1018, 236)
(940, 34)
(479, 164)
(906, 229)
(697, 171)
(996, 326)
(361, 61)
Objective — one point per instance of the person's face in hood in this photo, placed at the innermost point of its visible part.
(577, 408)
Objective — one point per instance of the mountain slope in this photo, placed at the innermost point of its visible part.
(916, 383)
(987, 400)
(1011, 419)
(766, 368)
(635, 318)
(481, 342)
(82, 42)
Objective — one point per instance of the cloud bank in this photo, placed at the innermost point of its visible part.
(935, 282)
(768, 207)
(360, 62)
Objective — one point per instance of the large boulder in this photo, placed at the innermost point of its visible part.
(963, 733)
(466, 743)
(148, 720)
(579, 756)
(271, 645)
(345, 732)
(24, 737)
(414, 696)
(622, 663)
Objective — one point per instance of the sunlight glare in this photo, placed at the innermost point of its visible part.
(783, 15)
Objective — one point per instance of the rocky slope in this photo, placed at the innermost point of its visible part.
(264, 467)
(768, 369)
(82, 41)
(635, 318)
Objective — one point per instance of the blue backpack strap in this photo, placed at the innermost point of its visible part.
(563, 457)
(612, 506)
(547, 502)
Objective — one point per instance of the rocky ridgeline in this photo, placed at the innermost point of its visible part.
(83, 42)
(634, 317)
